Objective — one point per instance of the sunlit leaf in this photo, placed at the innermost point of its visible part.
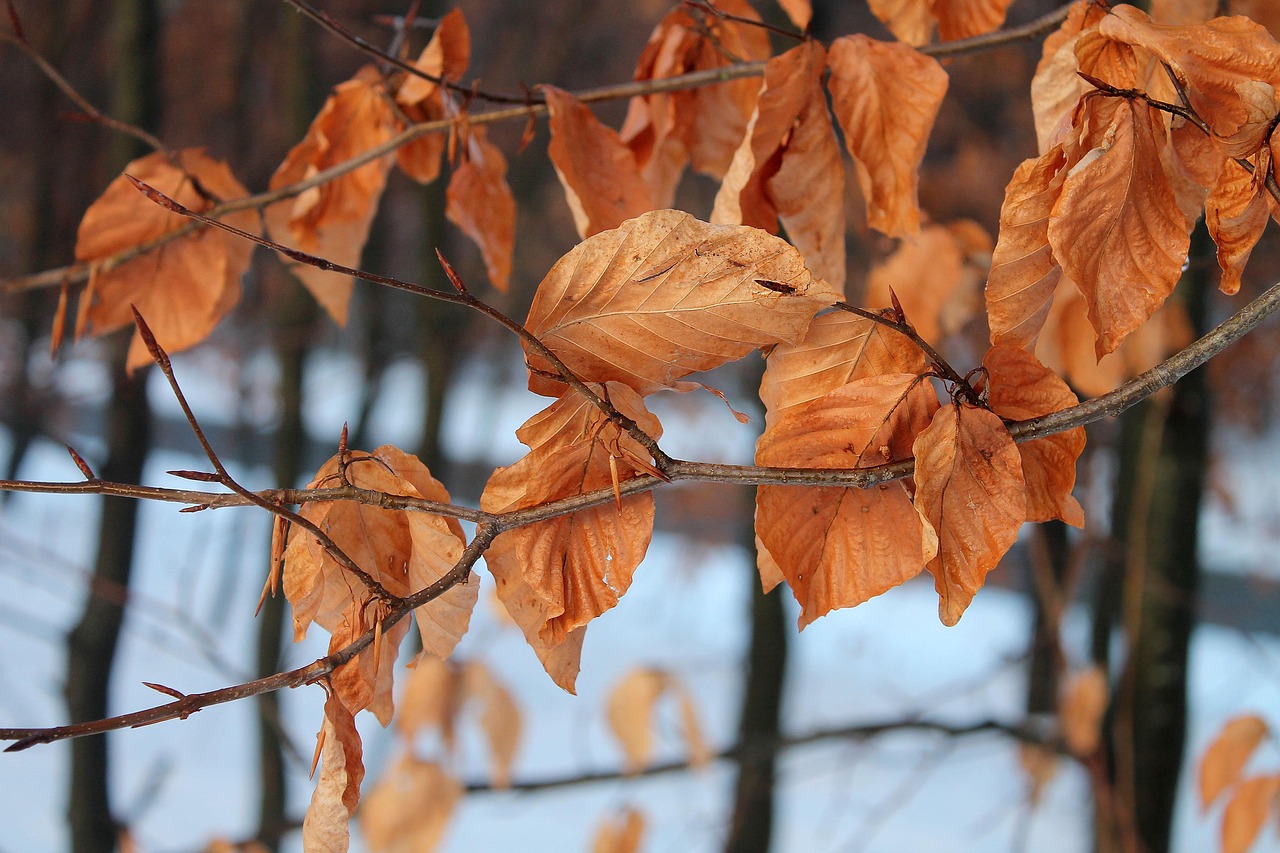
(1226, 756)
(337, 791)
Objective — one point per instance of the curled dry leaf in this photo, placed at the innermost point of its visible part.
(665, 296)
(555, 576)
(600, 176)
(702, 126)
(184, 289)
(1236, 212)
(337, 792)
(838, 547)
(839, 348)
(409, 809)
(1056, 86)
(333, 219)
(479, 201)
(1021, 388)
(969, 486)
(886, 97)
(446, 56)
(912, 20)
(403, 551)
(630, 714)
(623, 833)
(1247, 810)
(1225, 758)
(787, 167)
(1116, 228)
(1081, 708)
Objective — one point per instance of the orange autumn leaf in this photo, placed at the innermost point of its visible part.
(701, 126)
(969, 486)
(936, 277)
(799, 11)
(912, 21)
(665, 296)
(403, 551)
(630, 712)
(333, 219)
(1247, 810)
(1081, 709)
(621, 834)
(480, 202)
(1236, 213)
(836, 546)
(1021, 388)
(1229, 67)
(787, 167)
(1057, 85)
(601, 180)
(409, 809)
(886, 97)
(839, 348)
(182, 289)
(555, 576)
(446, 56)
(1116, 228)
(337, 791)
(1225, 758)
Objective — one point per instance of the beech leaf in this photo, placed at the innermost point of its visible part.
(1236, 213)
(665, 296)
(630, 713)
(409, 809)
(886, 97)
(337, 791)
(480, 202)
(184, 288)
(969, 486)
(1081, 709)
(446, 56)
(623, 833)
(1247, 810)
(1226, 756)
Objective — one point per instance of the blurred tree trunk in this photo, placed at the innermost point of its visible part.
(1157, 509)
(91, 646)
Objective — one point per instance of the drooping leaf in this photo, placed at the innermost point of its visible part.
(703, 125)
(183, 288)
(665, 296)
(1057, 85)
(337, 791)
(403, 551)
(1247, 810)
(958, 19)
(1021, 388)
(1225, 758)
(1236, 212)
(555, 576)
(1116, 228)
(836, 546)
(480, 202)
(969, 486)
(409, 809)
(911, 21)
(623, 833)
(332, 220)
(1081, 709)
(839, 348)
(601, 180)
(886, 97)
(799, 11)
(630, 714)
(787, 167)
(446, 56)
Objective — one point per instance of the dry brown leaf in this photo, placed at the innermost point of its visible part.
(1024, 273)
(337, 792)
(409, 809)
(958, 19)
(1056, 87)
(1040, 763)
(911, 21)
(446, 56)
(799, 11)
(1247, 810)
(500, 719)
(838, 547)
(1225, 758)
(934, 280)
(1081, 708)
(702, 125)
(621, 834)
(787, 167)
(429, 700)
(403, 551)
(557, 575)
(886, 97)
(1230, 68)
(630, 711)
(600, 176)
(333, 219)
(182, 289)
(1181, 12)
(1116, 228)
(1020, 388)
(1236, 212)
(969, 486)
(665, 296)
(839, 348)
(480, 202)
